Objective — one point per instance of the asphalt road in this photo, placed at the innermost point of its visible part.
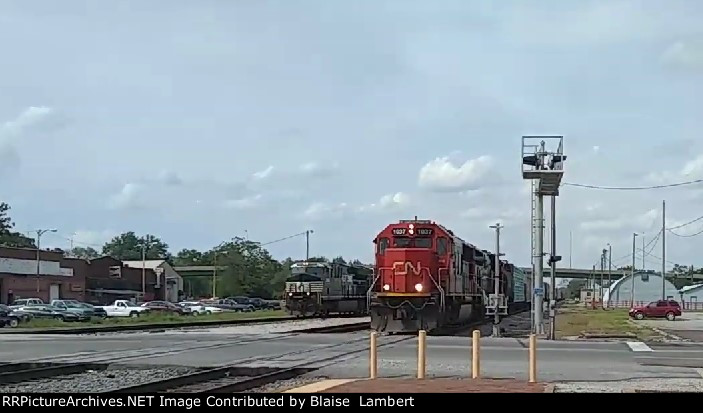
(689, 326)
(446, 356)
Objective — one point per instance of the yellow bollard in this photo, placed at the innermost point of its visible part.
(533, 359)
(475, 360)
(421, 354)
(373, 366)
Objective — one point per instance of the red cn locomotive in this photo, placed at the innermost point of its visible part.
(426, 277)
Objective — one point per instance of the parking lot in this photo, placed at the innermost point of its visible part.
(689, 326)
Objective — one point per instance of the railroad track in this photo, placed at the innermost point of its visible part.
(22, 372)
(36, 369)
(231, 378)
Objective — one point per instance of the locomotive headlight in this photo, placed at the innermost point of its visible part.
(386, 287)
(418, 287)
(411, 231)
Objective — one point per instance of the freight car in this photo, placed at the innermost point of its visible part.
(427, 277)
(322, 288)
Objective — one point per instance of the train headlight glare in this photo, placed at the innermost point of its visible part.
(386, 287)
(418, 287)
(290, 294)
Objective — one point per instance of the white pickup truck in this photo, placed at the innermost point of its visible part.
(123, 308)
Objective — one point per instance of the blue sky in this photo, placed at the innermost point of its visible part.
(198, 120)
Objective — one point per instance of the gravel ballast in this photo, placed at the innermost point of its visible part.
(94, 381)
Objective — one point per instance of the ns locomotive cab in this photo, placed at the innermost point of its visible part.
(321, 289)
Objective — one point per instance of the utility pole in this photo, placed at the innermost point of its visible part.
(644, 265)
(663, 250)
(632, 292)
(570, 247)
(610, 272)
(307, 244)
(144, 269)
(593, 285)
(40, 232)
(553, 259)
(496, 284)
(602, 273)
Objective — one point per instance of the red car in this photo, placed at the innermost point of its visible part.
(657, 309)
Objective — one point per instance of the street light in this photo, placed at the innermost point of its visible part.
(40, 232)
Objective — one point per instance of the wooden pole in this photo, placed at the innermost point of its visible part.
(421, 354)
(533, 359)
(373, 364)
(475, 358)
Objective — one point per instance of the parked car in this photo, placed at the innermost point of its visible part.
(657, 309)
(231, 305)
(74, 306)
(198, 308)
(165, 307)
(7, 318)
(56, 313)
(21, 302)
(262, 304)
(22, 316)
(244, 301)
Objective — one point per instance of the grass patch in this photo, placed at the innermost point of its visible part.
(152, 319)
(581, 321)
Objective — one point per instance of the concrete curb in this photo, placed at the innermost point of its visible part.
(550, 388)
(320, 386)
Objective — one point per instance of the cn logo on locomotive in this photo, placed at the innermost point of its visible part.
(406, 267)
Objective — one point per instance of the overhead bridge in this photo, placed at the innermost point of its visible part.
(578, 273)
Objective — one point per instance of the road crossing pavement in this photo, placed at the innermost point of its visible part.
(446, 356)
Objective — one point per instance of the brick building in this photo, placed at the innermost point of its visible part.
(99, 281)
(109, 279)
(59, 277)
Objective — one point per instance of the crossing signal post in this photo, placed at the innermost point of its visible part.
(543, 163)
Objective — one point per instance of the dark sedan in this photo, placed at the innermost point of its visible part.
(51, 312)
(165, 307)
(7, 317)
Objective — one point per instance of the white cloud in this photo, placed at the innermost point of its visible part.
(14, 129)
(684, 55)
(263, 174)
(31, 116)
(596, 149)
(693, 167)
(442, 175)
(319, 169)
(244, 203)
(170, 178)
(90, 238)
(131, 196)
(387, 202)
(321, 210)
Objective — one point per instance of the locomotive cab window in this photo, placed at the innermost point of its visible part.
(423, 242)
(441, 246)
(382, 245)
(402, 242)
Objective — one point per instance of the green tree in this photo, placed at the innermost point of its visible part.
(8, 237)
(87, 253)
(127, 246)
(192, 257)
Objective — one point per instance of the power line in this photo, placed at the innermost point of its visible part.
(688, 223)
(687, 236)
(633, 188)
